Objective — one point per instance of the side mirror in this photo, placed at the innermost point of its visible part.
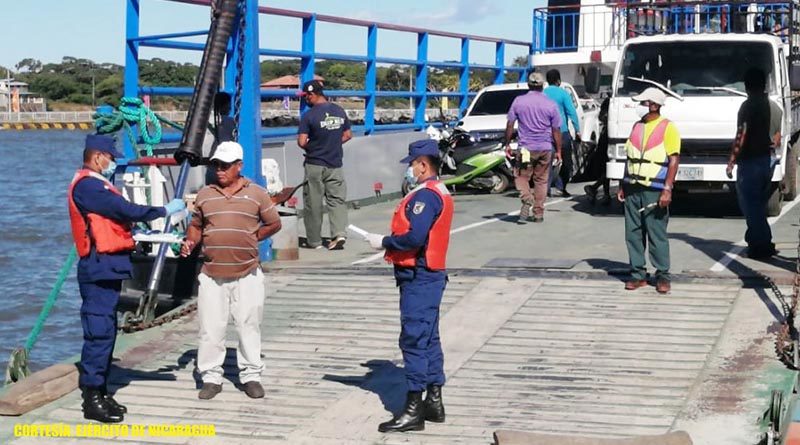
(794, 74)
(592, 80)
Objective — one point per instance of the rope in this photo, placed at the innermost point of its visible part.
(132, 111)
(18, 363)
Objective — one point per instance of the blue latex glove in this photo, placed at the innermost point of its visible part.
(174, 206)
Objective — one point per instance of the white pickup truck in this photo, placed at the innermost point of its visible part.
(485, 118)
(702, 73)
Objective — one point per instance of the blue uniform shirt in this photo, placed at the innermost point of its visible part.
(91, 196)
(422, 211)
(565, 107)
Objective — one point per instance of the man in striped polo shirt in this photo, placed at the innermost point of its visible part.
(230, 218)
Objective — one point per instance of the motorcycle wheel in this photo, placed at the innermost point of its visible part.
(500, 184)
(405, 187)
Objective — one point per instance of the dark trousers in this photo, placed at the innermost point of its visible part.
(753, 179)
(646, 230)
(99, 321)
(419, 332)
(559, 177)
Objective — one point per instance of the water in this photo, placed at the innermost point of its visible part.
(35, 241)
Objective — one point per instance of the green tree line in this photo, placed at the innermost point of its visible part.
(70, 81)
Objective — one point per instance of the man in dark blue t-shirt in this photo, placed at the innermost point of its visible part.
(323, 129)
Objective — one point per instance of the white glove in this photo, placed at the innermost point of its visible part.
(375, 240)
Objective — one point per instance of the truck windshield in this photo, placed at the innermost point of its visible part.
(694, 68)
(495, 102)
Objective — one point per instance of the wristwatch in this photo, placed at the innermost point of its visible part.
(667, 187)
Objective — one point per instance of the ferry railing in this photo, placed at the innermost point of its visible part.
(571, 28)
(308, 55)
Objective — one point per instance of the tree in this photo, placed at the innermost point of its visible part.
(29, 65)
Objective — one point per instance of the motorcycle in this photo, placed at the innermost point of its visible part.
(465, 162)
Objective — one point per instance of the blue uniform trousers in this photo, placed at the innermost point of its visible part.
(99, 320)
(419, 334)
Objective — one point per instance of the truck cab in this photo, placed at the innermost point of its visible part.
(701, 69)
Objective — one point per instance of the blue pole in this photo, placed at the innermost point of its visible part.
(523, 75)
(131, 76)
(370, 83)
(422, 80)
(307, 46)
(250, 113)
(499, 62)
(463, 81)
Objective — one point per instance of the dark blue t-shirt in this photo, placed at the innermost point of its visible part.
(324, 124)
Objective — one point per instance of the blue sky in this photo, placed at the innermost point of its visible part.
(95, 29)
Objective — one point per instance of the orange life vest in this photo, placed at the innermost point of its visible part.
(107, 235)
(438, 237)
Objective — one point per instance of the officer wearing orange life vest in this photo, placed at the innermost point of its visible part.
(101, 228)
(653, 152)
(417, 248)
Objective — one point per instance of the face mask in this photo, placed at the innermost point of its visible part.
(642, 110)
(410, 177)
(108, 172)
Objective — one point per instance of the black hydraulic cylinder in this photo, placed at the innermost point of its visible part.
(208, 78)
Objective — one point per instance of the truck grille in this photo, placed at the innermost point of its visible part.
(705, 150)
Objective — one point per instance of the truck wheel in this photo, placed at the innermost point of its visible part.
(790, 175)
(775, 201)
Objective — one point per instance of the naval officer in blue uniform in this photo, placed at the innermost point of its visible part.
(417, 248)
(101, 228)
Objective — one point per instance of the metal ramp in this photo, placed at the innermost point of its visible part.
(554, 356)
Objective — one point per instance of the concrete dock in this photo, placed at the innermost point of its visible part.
(537, 332)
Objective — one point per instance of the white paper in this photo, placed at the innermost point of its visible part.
(158, 237)
(358, 231)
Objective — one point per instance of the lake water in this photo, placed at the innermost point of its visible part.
(35, 241)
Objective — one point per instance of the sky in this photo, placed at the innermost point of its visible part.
(48, 30)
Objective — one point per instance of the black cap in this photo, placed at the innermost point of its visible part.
(312, 86)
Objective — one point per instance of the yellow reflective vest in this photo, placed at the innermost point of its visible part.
(647, 159)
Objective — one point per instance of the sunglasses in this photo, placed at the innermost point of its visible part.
(224, 166)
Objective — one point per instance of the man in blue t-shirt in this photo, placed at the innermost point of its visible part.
(566, 109)
(322, 131)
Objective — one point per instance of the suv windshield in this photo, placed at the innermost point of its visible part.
(694, 68)
(495, 102)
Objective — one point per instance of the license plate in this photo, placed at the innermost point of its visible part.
(690, 173)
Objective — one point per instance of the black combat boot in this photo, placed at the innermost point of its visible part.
(434, 408)
(95, 407)
(411, 419)
(114, 406)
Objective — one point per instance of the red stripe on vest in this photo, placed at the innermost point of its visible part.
(656, 137)
(109, 236)
(438, 237)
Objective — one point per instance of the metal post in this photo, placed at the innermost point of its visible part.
(250, 113)
(370, 82)
(499, 62)
(94, 101)
(307, 61)
(422, 80)
(464, 77)
(131, 77)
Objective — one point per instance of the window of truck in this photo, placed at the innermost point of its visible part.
(495, 102)
(694, 68)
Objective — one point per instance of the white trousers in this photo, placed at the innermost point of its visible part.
(217, 300)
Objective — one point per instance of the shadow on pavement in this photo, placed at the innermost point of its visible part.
(384, 378)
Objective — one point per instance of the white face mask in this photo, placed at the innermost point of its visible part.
(642, 110)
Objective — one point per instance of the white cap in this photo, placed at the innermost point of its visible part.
(652, 94)
(228, 152)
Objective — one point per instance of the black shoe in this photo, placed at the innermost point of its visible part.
(537, 219)
(411, 419)
(565, 194)
(115, 407)
(96, 408)
(761, 253)
(591, 193)
(606, 200)
(434, 407)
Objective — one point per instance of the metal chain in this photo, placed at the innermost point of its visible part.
(237, 101)
(158, 321)
(787, 336)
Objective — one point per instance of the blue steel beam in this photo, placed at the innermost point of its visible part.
(396, 61)
(371, 80)
(131, 76)
(250, 113)
(169, 36)
(307, 46)
(283, 53)
(499, 62)
(463, 77)
(163, 91)
(422, 79)
(174, 44)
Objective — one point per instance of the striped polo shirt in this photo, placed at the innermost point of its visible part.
(229, 224)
